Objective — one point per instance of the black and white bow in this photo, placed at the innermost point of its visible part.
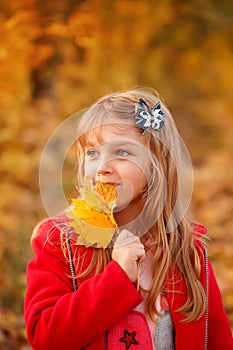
(147, 117)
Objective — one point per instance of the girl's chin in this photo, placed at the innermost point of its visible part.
(124, 197)
(126, 204)
(120, 207)
(122, 202)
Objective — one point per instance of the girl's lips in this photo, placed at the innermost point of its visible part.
(113, 183)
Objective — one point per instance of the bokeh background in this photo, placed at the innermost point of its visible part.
(57, 57)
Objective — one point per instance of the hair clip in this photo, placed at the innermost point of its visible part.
(147, 117)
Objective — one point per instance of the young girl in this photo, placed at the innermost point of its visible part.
(151, 285)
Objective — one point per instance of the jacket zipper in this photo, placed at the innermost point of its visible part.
(71, 262)
(207, 299)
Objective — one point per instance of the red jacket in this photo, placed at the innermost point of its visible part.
(59, 318)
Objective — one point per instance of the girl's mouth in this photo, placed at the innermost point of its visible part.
(111, 183)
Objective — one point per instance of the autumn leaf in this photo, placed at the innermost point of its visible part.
(101, 197)
(92, 217)
(106, 191)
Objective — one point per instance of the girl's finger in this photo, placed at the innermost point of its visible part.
(126, 237)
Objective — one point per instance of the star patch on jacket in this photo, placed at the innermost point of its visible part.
(128, 339)
(130, 333)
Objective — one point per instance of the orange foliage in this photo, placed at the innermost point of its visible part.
(58, 57)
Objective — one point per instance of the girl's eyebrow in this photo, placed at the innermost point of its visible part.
(91, 144)
(117, 143)
(126, 144)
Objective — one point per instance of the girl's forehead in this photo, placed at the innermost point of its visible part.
(107, 133)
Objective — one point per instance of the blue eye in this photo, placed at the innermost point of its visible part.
(92, 153)
(122, 153)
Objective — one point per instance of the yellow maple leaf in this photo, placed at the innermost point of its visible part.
(101, 196)
(92, 217)
(106, 191)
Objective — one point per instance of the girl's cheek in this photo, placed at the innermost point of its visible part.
(90, 170)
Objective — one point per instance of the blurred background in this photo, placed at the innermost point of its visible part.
(59, 57)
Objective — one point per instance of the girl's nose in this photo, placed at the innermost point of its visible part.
(105, 169)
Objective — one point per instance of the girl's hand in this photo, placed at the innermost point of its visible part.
(128, 251)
